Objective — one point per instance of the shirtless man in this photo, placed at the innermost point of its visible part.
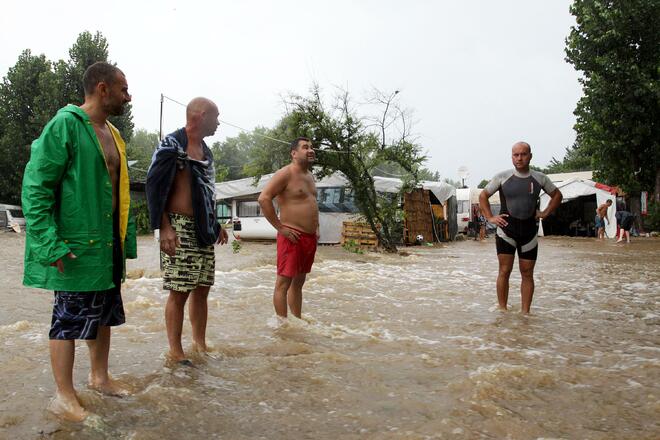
(77, 207)
(601, 216)
(181, 198)
(297, 227)
(517, 223)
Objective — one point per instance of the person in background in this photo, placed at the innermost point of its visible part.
(601, 218)
(625, 220)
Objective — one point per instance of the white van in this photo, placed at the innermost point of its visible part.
(11, 216)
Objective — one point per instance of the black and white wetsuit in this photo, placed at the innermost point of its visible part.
(519, 197)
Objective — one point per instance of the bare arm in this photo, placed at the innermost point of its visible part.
(555, 200)
(275, 187)
(168, 239)
(484, 205)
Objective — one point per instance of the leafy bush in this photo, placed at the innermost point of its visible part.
(141, 214)
(352, 246)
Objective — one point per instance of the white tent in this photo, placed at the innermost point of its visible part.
(576, 187)
(330, 223)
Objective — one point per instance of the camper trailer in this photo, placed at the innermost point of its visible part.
(11, 216)
(467, 211)
(335, 201)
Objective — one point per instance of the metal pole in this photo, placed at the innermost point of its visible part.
(160, 129)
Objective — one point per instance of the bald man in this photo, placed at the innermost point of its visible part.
(517, 223)
(181, 198)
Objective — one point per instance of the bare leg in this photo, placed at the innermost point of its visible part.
(65, 404)
(174, 311)
(282, 284)
(99, 352)
(198, 311)
(527, 284)
(294, 294)
(505, 267)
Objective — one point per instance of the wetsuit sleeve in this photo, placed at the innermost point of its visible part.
(547, 184)
(494, 185)
(48, 161)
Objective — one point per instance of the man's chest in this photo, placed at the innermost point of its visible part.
(521, 188)
(109, 147)
(301, 188)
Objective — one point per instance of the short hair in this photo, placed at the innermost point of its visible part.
(294, 144)
(99, 72)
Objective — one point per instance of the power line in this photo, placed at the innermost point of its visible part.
(233, 125)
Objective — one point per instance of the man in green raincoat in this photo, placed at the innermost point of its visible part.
(78, 234)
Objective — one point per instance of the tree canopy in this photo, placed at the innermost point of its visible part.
(31, 93)
(616, 46)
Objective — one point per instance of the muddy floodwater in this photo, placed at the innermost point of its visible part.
(390, 347)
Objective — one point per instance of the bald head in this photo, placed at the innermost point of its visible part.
(521, 146)
(199, 105)
(202, 116)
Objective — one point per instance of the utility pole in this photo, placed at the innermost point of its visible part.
(160, 129)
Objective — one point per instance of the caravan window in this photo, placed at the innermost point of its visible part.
(335, 199)
(249, 208)
(463, 206)
(223, 211)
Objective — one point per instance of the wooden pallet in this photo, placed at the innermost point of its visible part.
(360, 233)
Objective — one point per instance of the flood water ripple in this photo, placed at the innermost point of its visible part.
(390, 347)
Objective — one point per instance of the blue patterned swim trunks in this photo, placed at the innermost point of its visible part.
(78, 315)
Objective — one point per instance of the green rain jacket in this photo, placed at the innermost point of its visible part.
(67, 203)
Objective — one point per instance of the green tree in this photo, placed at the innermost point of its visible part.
(232, 155)
(25, 107)
(616, 45)
(356, 145)
(392, 169)
(87, 50)
(30, 95)
(483, 183)
(140, 149)
(575, 159)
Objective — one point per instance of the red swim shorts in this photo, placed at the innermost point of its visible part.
(295, 258)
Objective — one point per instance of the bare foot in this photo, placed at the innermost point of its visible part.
(109, 387)
(67, 409)
(200, 348)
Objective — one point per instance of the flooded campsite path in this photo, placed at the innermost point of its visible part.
(391, 347)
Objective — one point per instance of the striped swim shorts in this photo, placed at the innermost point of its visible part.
(192, 265)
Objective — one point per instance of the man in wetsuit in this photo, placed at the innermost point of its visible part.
(297, 227)
(79, 231)
(517, 225)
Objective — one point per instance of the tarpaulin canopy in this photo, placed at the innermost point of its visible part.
(576, 187)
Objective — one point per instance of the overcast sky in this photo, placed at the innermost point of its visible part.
(479, 75)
